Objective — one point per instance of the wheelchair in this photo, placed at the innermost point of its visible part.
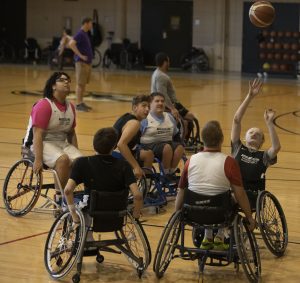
(156, 187)
(66, 244)
(271, 220)
(211, 212)
(22, 188)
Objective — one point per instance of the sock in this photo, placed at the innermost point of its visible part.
(208, 234)
(220, 234)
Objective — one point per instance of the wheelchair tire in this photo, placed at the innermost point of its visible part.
(107, 59)
(137, 244)
(64, 245)
(272, 223)
(21, 188)
(247, 249)
(167, 244)
(97, 58)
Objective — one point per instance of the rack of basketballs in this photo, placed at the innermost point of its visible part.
(278, 52)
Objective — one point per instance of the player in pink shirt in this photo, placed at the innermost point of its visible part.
(51, 130)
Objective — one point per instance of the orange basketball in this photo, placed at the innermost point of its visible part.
(262, 14)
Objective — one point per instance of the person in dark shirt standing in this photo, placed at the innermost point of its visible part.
(82, 48)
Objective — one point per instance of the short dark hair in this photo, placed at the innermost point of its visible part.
(86, 20)
(48, 89)
(140, 98)
(212, 134)
(105, 140)
(154, 94)
(160, 58)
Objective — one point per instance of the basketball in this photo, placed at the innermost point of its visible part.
(262, 14)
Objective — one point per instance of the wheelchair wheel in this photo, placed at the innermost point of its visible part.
(272, 223)
(63, 245)
(107, 59)
(137, 243)
(247, 249)
(21, 188)
(97, 58)
(167, 244)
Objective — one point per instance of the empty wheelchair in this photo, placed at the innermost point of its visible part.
(271, 220)
(213, 212)
(66, 244)
(22, 188)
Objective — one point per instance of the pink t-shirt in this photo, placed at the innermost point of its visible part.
(41, 113)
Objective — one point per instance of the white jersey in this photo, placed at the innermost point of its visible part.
(156, 130)
(59, 125)
(206, 173)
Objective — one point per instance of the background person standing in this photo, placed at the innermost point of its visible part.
(82, 48)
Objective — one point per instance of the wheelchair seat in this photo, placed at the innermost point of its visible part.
(108, 210)
(206, 210)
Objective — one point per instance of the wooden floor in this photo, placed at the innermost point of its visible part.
(210, 96)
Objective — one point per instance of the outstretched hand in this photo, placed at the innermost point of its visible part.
(269, 115)
(255, 87)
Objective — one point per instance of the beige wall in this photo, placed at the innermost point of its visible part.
(217, 24)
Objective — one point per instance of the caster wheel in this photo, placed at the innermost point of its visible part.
(100, 258)
(76, 278)
(140, 272)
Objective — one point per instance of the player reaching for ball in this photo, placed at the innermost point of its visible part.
(253, 161)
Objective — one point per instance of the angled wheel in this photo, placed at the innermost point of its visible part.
(272, 223)
(167, 244)
(63, 245)
(247, 249)
(22, 188)
(136, 246)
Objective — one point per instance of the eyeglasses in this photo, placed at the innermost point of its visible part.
(64, 80)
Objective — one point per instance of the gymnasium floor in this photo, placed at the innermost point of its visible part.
(210, 96)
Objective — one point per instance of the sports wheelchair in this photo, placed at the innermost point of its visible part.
(22, 188)
(200, 212)
(67, 244)
(271, 220)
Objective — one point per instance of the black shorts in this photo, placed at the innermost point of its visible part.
(181, 109)
(158, 148)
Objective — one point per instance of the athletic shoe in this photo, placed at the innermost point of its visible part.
(207, 244)
(219, 244)
(82, 107)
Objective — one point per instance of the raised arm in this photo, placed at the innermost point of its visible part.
(275, 147)
(129, 131)
(254, 88)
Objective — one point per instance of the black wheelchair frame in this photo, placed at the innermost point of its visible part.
(242, 250)
(65, 245)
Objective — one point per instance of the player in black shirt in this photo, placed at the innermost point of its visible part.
(103, 172)
(128, 128)
(253, 161)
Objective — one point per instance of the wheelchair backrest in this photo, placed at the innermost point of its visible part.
(108, 210)
(207, 210)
